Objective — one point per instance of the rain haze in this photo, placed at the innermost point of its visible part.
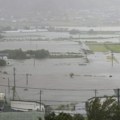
(58, 54)
(104, 10)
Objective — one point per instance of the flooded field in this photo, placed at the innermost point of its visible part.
(55, 74)
(52, 76)
(52, 46)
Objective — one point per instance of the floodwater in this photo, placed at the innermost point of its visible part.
(52, 76)
(45, 35)
(55, 74)
(52, 46)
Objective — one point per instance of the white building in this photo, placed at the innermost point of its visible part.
(27, 106)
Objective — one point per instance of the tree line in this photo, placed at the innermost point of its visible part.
(64, 116)
(20, 54)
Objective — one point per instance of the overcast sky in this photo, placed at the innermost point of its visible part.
(21, 6)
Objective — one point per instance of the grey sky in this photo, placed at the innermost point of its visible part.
(24, 6)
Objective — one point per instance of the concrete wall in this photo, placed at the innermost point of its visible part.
(21, 115)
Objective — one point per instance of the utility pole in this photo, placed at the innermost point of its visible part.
(8, 88)
(27, 79)
(34, 61)
(40, 99)
(14, 87)
(27, 75)
(112, 55)
(118, 95)
(95, 93)
(5, 96)
(95, 99)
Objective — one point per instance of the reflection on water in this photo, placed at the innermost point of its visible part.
(52, 46)
(55, 73)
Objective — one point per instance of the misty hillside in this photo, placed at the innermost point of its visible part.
(21, 7)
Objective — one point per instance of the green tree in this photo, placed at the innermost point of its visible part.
(51, 116)
(115, 115)
(39, 118)
(98, 109)
(61, 107)
(41, 54)
(64, 116)
(17, 54)
(2, 62)
(78, 117)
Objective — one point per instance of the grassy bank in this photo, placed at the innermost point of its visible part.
(104, 47)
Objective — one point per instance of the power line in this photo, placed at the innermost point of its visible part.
(47, 89)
